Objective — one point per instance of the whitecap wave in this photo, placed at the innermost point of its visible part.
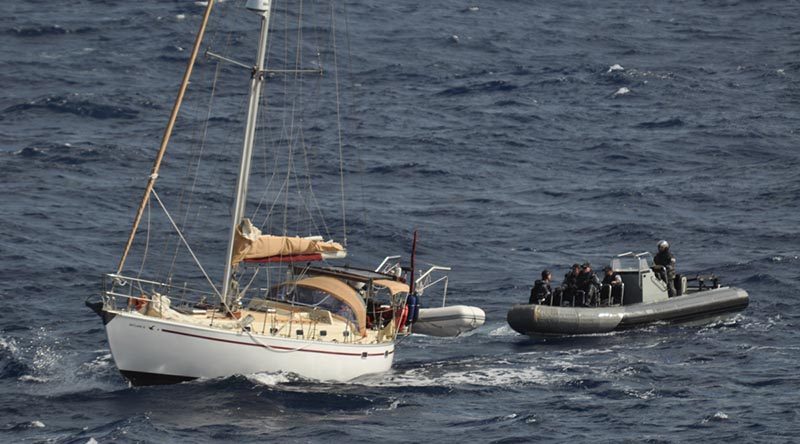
(621, 92)
(718, 416)
(10, 345)
(643, 395)
(392, 406)
(32, 378)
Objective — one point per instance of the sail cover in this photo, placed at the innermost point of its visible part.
(393, 286)
(251, 244)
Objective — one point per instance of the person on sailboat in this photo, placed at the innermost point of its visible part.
(664, 262)
(541, 291)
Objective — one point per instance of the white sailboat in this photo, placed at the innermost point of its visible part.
(316, 321)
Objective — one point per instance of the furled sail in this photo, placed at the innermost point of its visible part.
(251, 244)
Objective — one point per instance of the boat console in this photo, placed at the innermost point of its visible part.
(641, 283)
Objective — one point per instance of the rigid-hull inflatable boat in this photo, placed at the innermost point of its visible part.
(641, 299)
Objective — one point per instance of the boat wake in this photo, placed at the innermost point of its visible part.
(723, 323)
(274, 379)
(22, 426)
(11, 366)
(38, 361)
(463, 374)
(41, 367)
(504, 330)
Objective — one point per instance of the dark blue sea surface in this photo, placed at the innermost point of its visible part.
(499, 130)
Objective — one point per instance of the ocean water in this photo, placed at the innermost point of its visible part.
(501, 131)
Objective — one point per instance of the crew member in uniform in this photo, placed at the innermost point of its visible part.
(570, 284)
(665, 263)
(610, 278)
(613, 282)
(541, 293)
(588, 284)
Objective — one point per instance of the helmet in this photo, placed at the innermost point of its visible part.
(663, 245)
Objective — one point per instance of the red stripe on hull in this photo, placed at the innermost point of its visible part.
(271, 346)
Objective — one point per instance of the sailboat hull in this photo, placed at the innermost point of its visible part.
(151, 351)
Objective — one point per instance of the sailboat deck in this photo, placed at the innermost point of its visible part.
(280, 320)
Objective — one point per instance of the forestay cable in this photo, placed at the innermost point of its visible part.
(185, 243)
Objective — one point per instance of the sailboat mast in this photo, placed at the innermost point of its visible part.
(262, 8)
(151, 181)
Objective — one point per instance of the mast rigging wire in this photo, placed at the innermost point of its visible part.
(167, 134)
(185, 243)
(193, 175)
(338, 124)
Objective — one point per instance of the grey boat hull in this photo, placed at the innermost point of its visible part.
(535, 320)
